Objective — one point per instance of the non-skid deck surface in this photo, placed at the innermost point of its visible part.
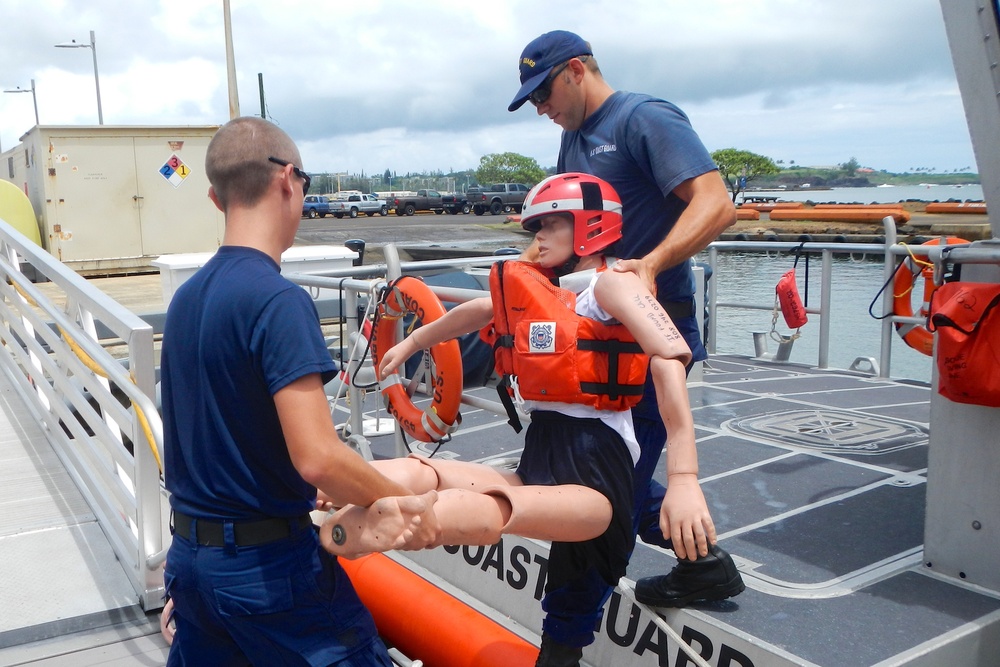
(816, 482)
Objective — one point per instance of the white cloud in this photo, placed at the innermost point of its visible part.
(420, 86)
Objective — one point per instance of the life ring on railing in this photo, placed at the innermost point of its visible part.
(915, 335)
(410, 295)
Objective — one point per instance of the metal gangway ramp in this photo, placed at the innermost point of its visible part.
(82, 509)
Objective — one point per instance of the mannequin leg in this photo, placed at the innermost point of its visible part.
(563, 513)
(560, 513)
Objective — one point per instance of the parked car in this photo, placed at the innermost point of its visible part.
(354, 204)
(455, 203)
(498, 198)
(316, 206)
(423, 200)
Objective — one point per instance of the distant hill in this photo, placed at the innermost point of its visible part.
(838, 178)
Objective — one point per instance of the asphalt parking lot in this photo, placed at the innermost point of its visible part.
(483, 234)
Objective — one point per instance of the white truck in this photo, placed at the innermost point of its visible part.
(355, 204)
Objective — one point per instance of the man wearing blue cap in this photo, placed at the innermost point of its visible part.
(674, 205)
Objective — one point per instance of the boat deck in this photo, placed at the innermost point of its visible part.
(816, 481)
(817, 484)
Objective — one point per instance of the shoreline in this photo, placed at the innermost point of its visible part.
(969, 226)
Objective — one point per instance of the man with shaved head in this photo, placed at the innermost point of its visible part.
(249, 439)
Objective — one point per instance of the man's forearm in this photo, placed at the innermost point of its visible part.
(709, 212)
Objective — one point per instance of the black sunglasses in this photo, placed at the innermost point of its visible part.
(306, 181)
(541, 94)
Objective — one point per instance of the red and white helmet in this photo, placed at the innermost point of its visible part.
(594, 204)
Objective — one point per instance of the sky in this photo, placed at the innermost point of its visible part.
(424, 86)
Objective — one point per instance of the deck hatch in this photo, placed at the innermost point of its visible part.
(837, 431)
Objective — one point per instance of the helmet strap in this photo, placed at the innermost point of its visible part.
(568, 266)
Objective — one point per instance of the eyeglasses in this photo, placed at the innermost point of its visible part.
(540, 95)
(306, 181)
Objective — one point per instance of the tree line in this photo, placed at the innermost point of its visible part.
(738, 168)
(493, 168)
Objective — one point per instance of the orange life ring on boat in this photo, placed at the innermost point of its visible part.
(915, 335)
(410, 295)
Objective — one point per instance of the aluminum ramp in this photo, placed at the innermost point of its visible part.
(60, 574)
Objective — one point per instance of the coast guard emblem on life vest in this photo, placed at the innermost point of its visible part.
(542, 337)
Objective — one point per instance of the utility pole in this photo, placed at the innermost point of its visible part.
(234, 95)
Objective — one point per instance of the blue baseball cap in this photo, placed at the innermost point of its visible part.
(541, 55)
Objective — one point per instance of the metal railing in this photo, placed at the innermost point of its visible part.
(889, 251)
(354, 283)
(97, 411)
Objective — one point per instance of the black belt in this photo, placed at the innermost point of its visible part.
(679, 310)
(211, 533)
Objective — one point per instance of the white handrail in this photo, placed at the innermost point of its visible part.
(97, 411)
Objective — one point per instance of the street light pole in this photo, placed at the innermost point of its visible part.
(97, 79)
(33, 98)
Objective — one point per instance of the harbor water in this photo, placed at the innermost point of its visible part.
(880, 194)
(750, 278)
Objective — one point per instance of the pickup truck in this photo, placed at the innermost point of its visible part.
(354, 204)
(424, 200)
(455, 203)
(316, 206)
(498, 198)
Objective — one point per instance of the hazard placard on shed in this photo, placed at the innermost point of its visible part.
(174, 170)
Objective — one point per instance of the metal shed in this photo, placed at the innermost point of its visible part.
(110, 199)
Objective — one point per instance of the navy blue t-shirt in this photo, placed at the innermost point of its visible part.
(236, 333)
(644, 147)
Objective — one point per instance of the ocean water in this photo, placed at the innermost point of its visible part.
(750, 278)
(882, 195)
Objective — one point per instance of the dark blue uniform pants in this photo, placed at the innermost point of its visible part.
(287, 602)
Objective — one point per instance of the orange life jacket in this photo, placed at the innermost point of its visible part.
(554, 353)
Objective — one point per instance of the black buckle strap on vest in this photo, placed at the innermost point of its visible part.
(612, 348)
(508, 404)
(506, 340)
(212, 533)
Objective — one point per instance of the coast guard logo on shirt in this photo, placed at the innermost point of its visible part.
(542, 337)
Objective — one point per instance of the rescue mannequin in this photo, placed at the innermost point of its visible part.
(573, 485)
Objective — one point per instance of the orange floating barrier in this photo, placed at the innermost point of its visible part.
(747, 214)
(861, 206)
(770, 206)
(956, 207)
(427, 624)
(873, 215)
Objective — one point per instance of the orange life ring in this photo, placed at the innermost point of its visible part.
(410, 295)
(915, 335)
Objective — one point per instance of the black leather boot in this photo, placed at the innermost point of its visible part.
(554, 654)
(713, 577)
